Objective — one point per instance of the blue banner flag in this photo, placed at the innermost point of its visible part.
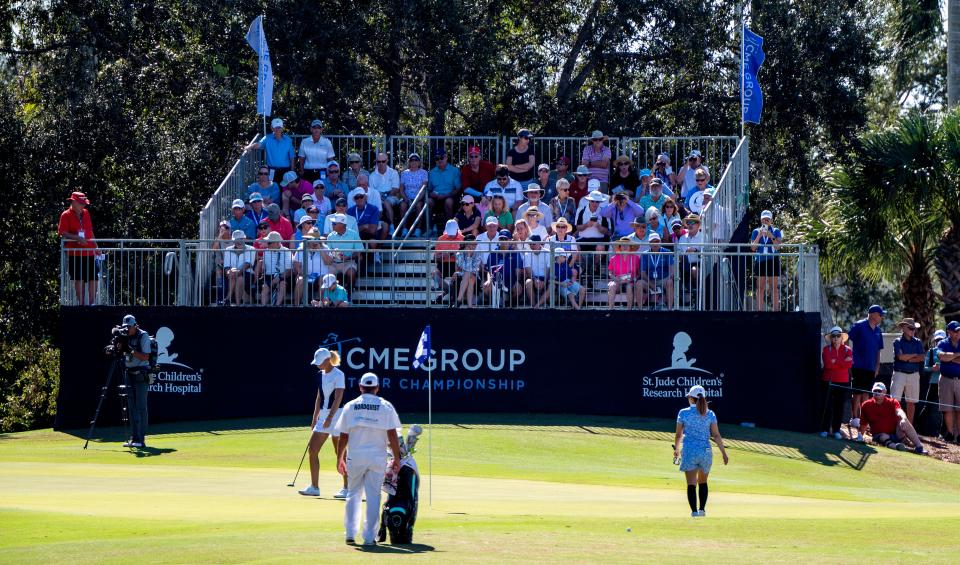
(258, 42)
(422, 355)
(751, 97)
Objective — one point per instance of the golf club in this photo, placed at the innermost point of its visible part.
(300, 466)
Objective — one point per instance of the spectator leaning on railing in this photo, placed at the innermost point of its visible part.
(278, 148)
(77, 228)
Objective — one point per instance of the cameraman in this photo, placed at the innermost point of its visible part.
(137, 361)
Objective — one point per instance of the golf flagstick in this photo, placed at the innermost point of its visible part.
(421, 359)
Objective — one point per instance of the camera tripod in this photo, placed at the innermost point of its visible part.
(118, 370)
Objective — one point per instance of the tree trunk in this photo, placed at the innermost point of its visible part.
(947, 262)
(953, 53)
(919, 301)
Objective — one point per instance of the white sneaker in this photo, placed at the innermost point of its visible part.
(128, 443)
(310, 491)
(342, 494)
(836, 435)
(702, 513)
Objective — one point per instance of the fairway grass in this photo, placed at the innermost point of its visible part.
(565, 490)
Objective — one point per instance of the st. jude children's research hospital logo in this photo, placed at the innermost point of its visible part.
(453, 369)
(675, 381)
(174, 377)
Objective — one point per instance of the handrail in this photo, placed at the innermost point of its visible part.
(413, 203)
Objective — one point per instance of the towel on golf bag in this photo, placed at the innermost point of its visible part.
(400, 510)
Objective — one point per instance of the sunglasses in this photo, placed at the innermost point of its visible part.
(333, 171)
(264, 172)
(701, 180)
(378, 161)
(563, 190)
(474, 156)
(263, 227)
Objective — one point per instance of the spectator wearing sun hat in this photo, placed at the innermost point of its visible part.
(274, 268)
(949, 353)
(837, 359)
(562, 239)
(315, 152)
(354, 169)
(534, 196)
(521, 160)
(625, 177)
(534, 217)
(580, 187)
(597, 156)
(867, 340)
(306, 201)
(477, 172)
(278, 149)
(305, 224)
(76, 227)
(908, 353)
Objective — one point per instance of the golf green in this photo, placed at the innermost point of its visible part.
(505, 488)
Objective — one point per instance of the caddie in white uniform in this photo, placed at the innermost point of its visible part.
(368, 427)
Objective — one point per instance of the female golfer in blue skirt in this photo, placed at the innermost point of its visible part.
(697, 424)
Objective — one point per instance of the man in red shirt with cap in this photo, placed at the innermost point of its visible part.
(887, 421)
(77, 229)
(476, 173)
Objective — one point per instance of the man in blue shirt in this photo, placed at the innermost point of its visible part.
(908, 353)
(867, 338)
(368, 221)
(443, 184)
(656, 272)
(278, 149)
(950, 381)
(240, 221)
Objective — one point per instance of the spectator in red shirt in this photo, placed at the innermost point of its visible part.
(837, 360)
(279, 223)
(887, 421)
(77, 228)
(476, 172)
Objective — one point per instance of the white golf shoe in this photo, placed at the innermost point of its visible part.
(310, 491)
(342, 494)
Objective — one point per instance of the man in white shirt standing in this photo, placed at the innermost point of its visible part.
(315, 152)
(368, 427)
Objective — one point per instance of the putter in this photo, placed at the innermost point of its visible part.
(300, 466)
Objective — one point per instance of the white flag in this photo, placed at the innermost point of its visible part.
(258, 42)
(422, 356)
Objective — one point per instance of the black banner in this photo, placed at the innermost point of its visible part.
(247, 362)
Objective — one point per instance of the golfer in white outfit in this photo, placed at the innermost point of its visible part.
(368, 427)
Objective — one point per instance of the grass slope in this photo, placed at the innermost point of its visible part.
(504, 490)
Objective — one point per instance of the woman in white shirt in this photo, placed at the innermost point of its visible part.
(326, 412)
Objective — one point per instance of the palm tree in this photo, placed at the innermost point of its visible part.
(953, 52)
(895, 212)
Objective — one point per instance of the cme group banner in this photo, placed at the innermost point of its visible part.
(252, 362)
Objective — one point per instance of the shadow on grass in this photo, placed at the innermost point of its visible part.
(404, 549)
(777, 443)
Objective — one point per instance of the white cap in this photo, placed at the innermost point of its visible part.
(654, 236)
(338, 219)
(238, 234)
(238, 203)
(878, 387)
(318, 182)
(356, 192)
(939, 334)
(766, 214)
(369, 379)
(328, 280)
(276, 123)
(320, 355)
(593, 184)
(467, 199)
(451, 228)
(596, 196)
(696, 391)
(492, 221)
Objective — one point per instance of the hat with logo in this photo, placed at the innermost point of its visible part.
(129, 321)
(697, 391)
(766, 215)
(238, 234)
(654, 236)
(333, 164)
(329, 280)
(276, 123)
(255, 197)
(369, 380)
(78, 197)
(320, 355)
(582, 170)
(644, 173)
(878, 387)
(694, 154)
(877, 309)
(238, 203)
(939, 335)
(288, 177)
(473, 150)
(676, 223)
(316, 124)
(953, 326)
(451, 228)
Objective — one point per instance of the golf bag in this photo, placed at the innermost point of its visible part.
(400, 510)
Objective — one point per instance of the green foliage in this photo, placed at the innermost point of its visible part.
(29, 380)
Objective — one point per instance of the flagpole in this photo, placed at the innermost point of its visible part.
(430, 427)
(263, 38)
(743, 55)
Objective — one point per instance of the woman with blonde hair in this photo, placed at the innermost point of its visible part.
(326, 412)
(697, 424)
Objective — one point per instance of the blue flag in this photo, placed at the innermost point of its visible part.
(258, 42)
(751, 97)
(422, 356)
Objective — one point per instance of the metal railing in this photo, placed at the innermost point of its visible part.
(702, 277)
(367, 146)
(717, 151)
(731, 197)
(401, 146)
